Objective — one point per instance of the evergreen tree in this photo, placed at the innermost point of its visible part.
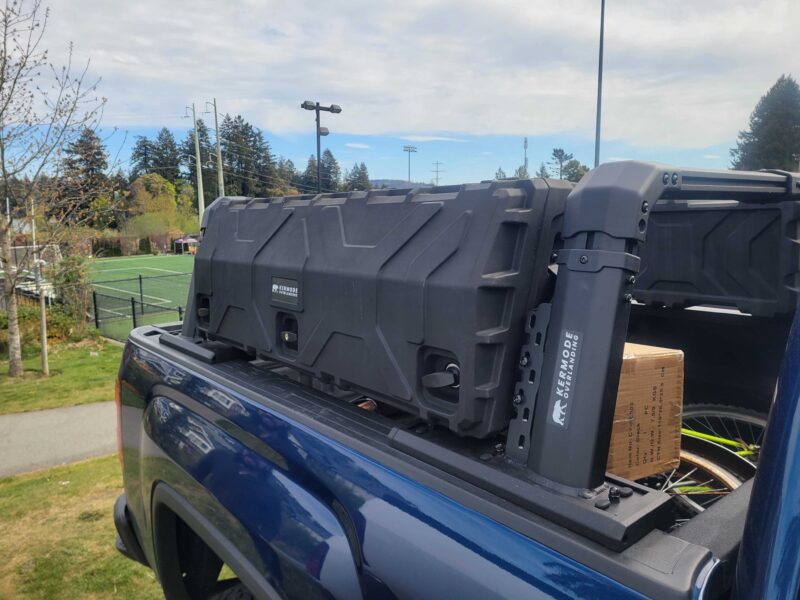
(559, 158)
(165, 156)
(85, 179)
(206, 154)
(500, 174)
(542, 172)
(521, 172)
(308, 181)
(330, 172)
(358, 178)
(773, 140)
(574, 170)
(142, 157)
(249, 165)
(264, 162)
(286, 172)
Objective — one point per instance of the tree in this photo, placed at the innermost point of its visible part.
(158, 207)
(187, 155)
(249, 165)
(773, 140)
(574, 170)
(166, 158)
(142, 157)
(85, 180)
(330, 173)
(308, 181)
(542, 172)
(185, 202)
(358, 178)
(152, 194)
(500, 174)
(43, 110)
(559, 158)
(287, 177)
(521, 172)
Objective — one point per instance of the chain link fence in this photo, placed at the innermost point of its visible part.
(119, 305)
(159, 290)
(116, 316)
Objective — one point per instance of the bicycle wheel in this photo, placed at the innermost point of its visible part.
(720, 447)
(738, 429)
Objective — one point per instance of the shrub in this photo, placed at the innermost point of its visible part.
(61, 328)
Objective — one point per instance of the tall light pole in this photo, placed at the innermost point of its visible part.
(201, 201)
(321, 131)
(409, 149)
(599, 84)
(220, 175)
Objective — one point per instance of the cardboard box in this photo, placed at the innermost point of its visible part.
(646, 438)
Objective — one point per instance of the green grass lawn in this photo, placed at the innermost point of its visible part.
(79, 374)
(58, 536)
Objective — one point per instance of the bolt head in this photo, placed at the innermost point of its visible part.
(665, 178)
(628, 298)
(674, 179)
(632, 279)
(517, 398)
(645, 206)
(583, 259)
(525, 360)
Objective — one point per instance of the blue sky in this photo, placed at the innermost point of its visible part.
(463, 157)
(464, 81)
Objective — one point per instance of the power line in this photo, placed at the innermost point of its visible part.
(275, 177)
(268, 178)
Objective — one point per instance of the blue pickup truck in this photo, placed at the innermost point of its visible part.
(308, 479)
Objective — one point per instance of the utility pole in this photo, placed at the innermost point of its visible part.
(436, 170)
(220, 174)
(37, 274)
(409, 149)
(201, 201)
(525, 161)
(599, 83)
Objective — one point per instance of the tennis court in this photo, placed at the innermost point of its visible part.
(156, 280)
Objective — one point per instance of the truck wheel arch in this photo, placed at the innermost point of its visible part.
(167, 507)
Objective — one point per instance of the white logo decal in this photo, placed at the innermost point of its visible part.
(559, 412)
(569, 349)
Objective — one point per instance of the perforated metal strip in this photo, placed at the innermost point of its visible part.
(526, 390)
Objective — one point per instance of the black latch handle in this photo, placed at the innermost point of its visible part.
(442, 379)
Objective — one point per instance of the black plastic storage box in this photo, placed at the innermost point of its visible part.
(413, 297)
(743, 255)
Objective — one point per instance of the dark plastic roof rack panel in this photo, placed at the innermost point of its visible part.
(723, 253)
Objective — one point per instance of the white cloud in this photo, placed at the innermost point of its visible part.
(431, 138)
(357, 145)
(686, 76)
(711, 156)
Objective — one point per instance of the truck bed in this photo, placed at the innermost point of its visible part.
(303, 483)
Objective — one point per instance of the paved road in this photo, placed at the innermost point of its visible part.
(39, 439)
